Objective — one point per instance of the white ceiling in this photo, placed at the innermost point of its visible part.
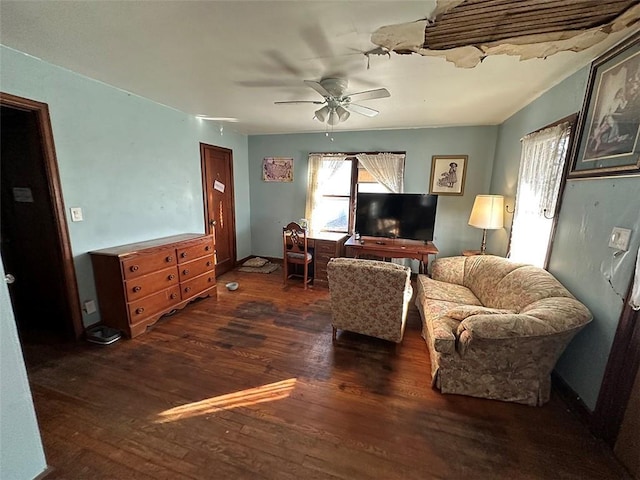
(235, 58)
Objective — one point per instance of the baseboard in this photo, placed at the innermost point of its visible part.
(47, 471)
(571, 399)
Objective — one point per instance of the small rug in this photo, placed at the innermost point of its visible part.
(266, 268)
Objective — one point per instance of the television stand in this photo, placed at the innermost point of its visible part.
(391, 248)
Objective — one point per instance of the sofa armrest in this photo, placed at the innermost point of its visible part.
(443, 331)
(450, 270)
(503, 326)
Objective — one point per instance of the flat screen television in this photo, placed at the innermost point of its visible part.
(396, 215)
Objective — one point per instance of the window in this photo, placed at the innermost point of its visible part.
(541, 175)
(335, 179)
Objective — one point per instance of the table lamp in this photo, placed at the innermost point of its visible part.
(487, 213)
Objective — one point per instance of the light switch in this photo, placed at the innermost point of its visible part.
(76, 214)
(620, 238)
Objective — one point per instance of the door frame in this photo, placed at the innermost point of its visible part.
(205, 199)
(620, 373)
(63, 243)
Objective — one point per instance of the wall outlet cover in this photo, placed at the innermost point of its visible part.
(90, 306)
(76, 214)
(619, 238)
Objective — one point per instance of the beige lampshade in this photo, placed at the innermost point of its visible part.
(487, 212)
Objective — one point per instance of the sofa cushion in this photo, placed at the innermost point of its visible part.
(437, 290)
(482, 275)
(461, 312)
(524, 286)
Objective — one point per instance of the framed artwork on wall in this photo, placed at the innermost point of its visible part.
(277, 169)
(448, 173)
(609, 123)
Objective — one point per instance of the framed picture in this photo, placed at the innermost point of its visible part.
(277, 169)
(447, 174)
(609, 124)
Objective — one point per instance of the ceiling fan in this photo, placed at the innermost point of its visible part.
(338, 105)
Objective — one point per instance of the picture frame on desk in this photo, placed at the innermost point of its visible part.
(448, 174)
(609, 123)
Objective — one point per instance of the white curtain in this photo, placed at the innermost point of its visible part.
(386, 168)
(541, 169)
(321, 169)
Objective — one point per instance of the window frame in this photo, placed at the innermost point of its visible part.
(571, 119)
(353, 187)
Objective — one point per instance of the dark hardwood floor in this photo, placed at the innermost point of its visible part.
(250, 387)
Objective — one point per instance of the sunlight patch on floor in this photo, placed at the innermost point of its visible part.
(243, 398)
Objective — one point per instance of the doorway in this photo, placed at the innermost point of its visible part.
(34, 240)
(219, 208)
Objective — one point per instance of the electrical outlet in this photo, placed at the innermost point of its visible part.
(90, 306)
(619, 238)
(76, 214)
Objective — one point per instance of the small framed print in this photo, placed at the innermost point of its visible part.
(448, 173)
(277, 169)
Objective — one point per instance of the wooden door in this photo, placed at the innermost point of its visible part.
(219, 209)
(33, 234)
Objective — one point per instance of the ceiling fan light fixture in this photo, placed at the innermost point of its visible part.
(321, 114)
(334, 119)
(343, 114)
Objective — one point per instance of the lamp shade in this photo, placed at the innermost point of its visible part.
(321, 114)
(343, 114)
(487, 212)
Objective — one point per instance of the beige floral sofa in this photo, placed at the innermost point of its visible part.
(495, 328)
(369, 297)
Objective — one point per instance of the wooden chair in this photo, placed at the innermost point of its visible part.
(296, 252)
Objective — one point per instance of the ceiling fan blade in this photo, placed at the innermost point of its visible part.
(366, 111)
(369, 94)
(300, 101)
(318, 88)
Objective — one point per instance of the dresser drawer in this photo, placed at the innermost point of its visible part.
(195, 267)
(325, 247)
(195, 250)
(146, 285)
(197, 285)
(147, 263)
(140, 309)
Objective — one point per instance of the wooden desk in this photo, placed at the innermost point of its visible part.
(325, 246)
(391, 248)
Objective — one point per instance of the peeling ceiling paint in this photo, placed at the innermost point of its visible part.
(407, 38)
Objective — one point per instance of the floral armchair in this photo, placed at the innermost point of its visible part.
(369, 297)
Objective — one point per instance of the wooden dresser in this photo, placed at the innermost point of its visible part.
(140, 282)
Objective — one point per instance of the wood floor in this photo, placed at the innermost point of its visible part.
(250, 387)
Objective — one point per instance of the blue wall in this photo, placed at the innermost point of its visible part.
(132, 165)
(275, 204)
(580, 258)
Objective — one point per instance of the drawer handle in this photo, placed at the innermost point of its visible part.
(172, 276)
(137, 288)
(169, 258)
(207, 248)
(185, 271)
(210, 279)
(139, 310)
(134, 268)
(173, 296)
(208, 263)
(183, 254)
(187, 289)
